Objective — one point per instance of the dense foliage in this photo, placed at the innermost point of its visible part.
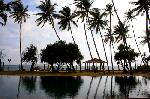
(125, 55)
(30, 55)
(61, 53)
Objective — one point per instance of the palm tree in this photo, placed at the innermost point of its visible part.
(96, 22)
(129, 17)
(143, 6)
(83, 10)
(109, 36)
(3, 12)
(47, 14)
(19, 14)
(66, 18)
(145, 39)
(121, 31)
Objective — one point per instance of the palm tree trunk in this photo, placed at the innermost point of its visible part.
(20, 48)
(95, 45)
(136, 41)
(72, 37)
(111, 59)
(55, 31)
(110, 46)
(115, 10)
(104, 50)
(87, 42)
(147, 30)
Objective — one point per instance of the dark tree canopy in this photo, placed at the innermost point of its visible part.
(60, 52)
(29, 55)
(125, 53)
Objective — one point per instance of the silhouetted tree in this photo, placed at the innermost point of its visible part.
(143, 6)
(19, 14)
(30, 55)
(126, 54)
(60, 53)
(66, 18)
(4, 8)
(83, 11)
(47, 14)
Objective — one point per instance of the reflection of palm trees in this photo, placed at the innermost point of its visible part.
(29, 83)
(19, 82)
(97, 87)
(61, 86)
(89, 88)
(126, 84)
(105, 87)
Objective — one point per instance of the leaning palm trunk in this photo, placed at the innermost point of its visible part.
(136, 41)
(56, 31)
(104, 51)
(87, 42)
(20, 48)
(72, 34)
(110, 47)
(115, 10)
(72, 37)
(147, 34)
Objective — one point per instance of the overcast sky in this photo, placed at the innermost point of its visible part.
(40, 37)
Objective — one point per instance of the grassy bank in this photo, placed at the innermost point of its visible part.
(63, 73)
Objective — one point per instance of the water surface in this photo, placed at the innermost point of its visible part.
(84, 87)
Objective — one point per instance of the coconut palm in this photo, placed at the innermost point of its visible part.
(143, 6)
(129, 17)
(19, 14)
(3, 12)
(109, 36)
(96, 22)
(47, 14)
(83, 10)
(121, 31)
(145, 39)
(66, 18)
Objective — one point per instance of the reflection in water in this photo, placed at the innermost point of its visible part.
(61, 86)
(126, 84)
(103, 87)
(29, 83)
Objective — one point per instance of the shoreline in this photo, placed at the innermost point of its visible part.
(63, 73)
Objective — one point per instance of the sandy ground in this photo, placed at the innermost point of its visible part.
(64, 73)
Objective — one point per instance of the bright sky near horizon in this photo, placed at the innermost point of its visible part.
(40, 37)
